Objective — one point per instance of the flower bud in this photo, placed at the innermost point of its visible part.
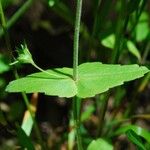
(24, 56)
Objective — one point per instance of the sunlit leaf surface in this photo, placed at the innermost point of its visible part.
(94, 78)
(100, 144)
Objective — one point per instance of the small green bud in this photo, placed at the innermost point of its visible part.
(24, 56)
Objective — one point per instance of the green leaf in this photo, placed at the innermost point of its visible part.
(94, 78)
(147, 145)
(3, 64)
(134, 138)
(51, 3)
(142, 29)
(63, 85)
(132, 49)
(87, 113)
(27, 123)
(100, 144)
(24, 140)
(97, 78)
(138, 130)
(109, 41)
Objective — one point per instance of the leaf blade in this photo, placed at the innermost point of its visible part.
(138, 130)
(133, 50)
(44, 83)
(100, 144)
(134, 138)
(95, 78)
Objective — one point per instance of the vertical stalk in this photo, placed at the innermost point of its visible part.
(77, 122)
(25, 98)
(76, 101)
(76, 39)
(96, 18)
(121, 27)
(139, 12)
(102, 102)
(4, 29)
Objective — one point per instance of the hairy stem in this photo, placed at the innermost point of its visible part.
(76, 39)
(76, 102)
(40, 69)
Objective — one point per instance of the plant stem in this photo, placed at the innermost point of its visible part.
(96, 18)
(16, 16)
(4, 29)
(76, 39)
(37, 67)
(103, 103)
(120, 30)
(138, 15)
(76, 102)
(76, 118)
(25, 98)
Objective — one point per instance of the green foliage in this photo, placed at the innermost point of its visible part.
(51, 3)
(137, 129)
(126, 24)
(3, 64)
(133, 5)
(27, 123)
(134, 138)
(87, 113)
(142, 29)
(94, 78)
(63, 86)
(132, 48)
(6, 3)
(24, 140)
(24, 56)
(109, 41)
(100, 144)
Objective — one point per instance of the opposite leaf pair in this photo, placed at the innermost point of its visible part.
(94, 78)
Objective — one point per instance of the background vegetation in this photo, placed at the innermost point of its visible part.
(114, 32)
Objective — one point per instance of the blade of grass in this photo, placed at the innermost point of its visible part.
(121, 25)
(137, 129)
(102, 103)
(139, 12)
(62, 10)
(101, 11)
(16, 16)
(4, 29)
